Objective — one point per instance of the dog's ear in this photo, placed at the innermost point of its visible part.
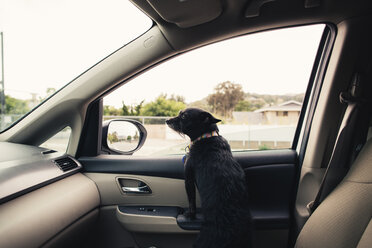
(208, 118)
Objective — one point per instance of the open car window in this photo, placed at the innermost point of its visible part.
(255, 84)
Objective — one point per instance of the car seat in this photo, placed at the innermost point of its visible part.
(343, 219)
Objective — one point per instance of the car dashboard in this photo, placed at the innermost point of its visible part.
(43, 196)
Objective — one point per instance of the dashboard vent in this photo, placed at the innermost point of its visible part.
(66, 164)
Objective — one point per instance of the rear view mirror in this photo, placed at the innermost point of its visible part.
(123, 136)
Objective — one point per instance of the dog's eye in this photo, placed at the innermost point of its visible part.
(183, 116)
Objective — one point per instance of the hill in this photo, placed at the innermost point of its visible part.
(253, 101)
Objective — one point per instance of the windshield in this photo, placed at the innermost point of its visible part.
(47, 43)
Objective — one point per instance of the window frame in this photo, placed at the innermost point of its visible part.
(313, 91)
(302, 129)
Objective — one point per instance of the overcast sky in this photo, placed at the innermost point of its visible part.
(254, 61)
(49, 42)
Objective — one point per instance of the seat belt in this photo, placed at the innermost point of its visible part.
(346, 147)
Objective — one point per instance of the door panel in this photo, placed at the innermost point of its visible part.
(165, 191)
(167, 167)
(150, 219)
(270, 179)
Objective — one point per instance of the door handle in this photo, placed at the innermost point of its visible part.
(133, 186)
(137, 190)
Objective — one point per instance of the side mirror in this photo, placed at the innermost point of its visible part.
(122, 136)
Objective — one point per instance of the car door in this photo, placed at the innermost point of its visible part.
(142, 194)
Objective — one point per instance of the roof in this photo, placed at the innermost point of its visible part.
(286, 106)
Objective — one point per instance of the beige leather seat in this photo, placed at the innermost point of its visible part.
(343, 219)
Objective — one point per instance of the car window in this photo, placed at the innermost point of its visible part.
(59, 142)
(47, 43)
(255, 84)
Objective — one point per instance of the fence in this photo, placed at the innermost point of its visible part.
(239, 136)
(143, 119)
(162, 140)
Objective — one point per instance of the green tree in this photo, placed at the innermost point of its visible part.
(162, 107)
(249, 106)
(110, 110)
(132, 110)
(15, 106)
(243, 106)
(113, 137)
(225, 98)
(138, 108)
(124, 109)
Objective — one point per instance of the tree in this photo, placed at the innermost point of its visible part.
(138, 108)
(50, 91)
(124, 109)
(243, 106)
(110, 110)
(15, 106)
(177, 98)
(249, 106)
(130, 110)
(113, 137)
(202, 104)
(226, 96)
(162, 107)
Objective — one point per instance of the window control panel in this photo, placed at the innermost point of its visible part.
(144, 209)
(151, 210)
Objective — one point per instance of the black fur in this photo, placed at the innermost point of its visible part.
(220, 180)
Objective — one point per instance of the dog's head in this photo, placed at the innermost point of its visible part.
(193, 122)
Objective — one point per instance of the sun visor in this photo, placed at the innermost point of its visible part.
(187, 13)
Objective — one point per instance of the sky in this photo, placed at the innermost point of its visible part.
(47, 43)
(254, 61)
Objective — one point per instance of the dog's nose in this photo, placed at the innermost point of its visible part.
(167, 121)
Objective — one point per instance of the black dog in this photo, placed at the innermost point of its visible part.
(219, 179)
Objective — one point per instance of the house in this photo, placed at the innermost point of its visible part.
(286, 113)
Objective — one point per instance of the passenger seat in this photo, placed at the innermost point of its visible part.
(343, 219)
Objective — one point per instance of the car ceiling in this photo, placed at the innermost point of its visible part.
(233, 21)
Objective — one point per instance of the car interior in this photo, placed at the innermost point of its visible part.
(316, 194)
